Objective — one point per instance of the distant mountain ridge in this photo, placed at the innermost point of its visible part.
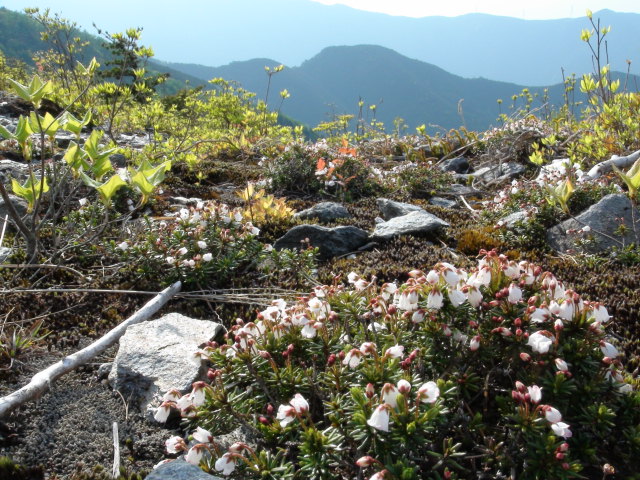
(20, 39)
(216, 32)
(333, 81)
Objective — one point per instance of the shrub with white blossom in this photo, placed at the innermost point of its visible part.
(204, 246)
(498, 372)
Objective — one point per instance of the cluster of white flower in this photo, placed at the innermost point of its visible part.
(535, 327)
(427, 393)
(532, 395)
(192, 223)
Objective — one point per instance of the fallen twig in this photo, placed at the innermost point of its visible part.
(606, 166)
(469, 207)
(115, 473)
(41, 381)
(4, 229)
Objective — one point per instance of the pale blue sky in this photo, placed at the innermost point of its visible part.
(527, 9)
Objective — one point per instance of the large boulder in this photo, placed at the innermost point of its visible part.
(158, 355)
(413, 223)
(391, 209)
(604, 220)
(325, 212)
(179, 470)
(332, 242)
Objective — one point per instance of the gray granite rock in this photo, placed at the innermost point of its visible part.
(603, 218)
(118, 160)
(443, 202)
(179, 470)
(188, 202)
(325, 212)
(19, 204)
(510, 220)
(457, 189)
(332, 242)
(63, 138)
(11, 169)
(505, 171)
(4, 253)
(158, 355)
(455, 165)
(391, 209)
(417, 222)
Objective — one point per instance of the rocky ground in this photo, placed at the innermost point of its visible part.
(68, 432)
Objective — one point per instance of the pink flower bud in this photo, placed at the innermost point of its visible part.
(365, 461)
(404, 386)
(370, 390)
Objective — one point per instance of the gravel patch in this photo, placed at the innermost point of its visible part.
(68, 430)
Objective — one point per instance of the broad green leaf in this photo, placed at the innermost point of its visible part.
(99, 158)
(89, 69)
(561, 193)
(47, 125)
(31, 190)
(74, 125)
(6, 134)
(148, 177)
(107, 189)
(142, 184)
(34, 92)
(88, 181)
(631, 178)
(75, 158)
(21, 90)
(23, 130)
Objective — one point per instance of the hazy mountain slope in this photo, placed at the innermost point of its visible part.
(20, 39)
(217, 32)
(333, 81)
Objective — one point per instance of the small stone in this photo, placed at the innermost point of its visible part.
(506, 171)
(510, 220)
(456, 165)
(325, 212)
(391, 209)
(443, 202)
(417, 222)
(179, 470)
(118, 160)
(331, 242)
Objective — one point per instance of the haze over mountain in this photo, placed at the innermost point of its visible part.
(216, 32)
(333, 81)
